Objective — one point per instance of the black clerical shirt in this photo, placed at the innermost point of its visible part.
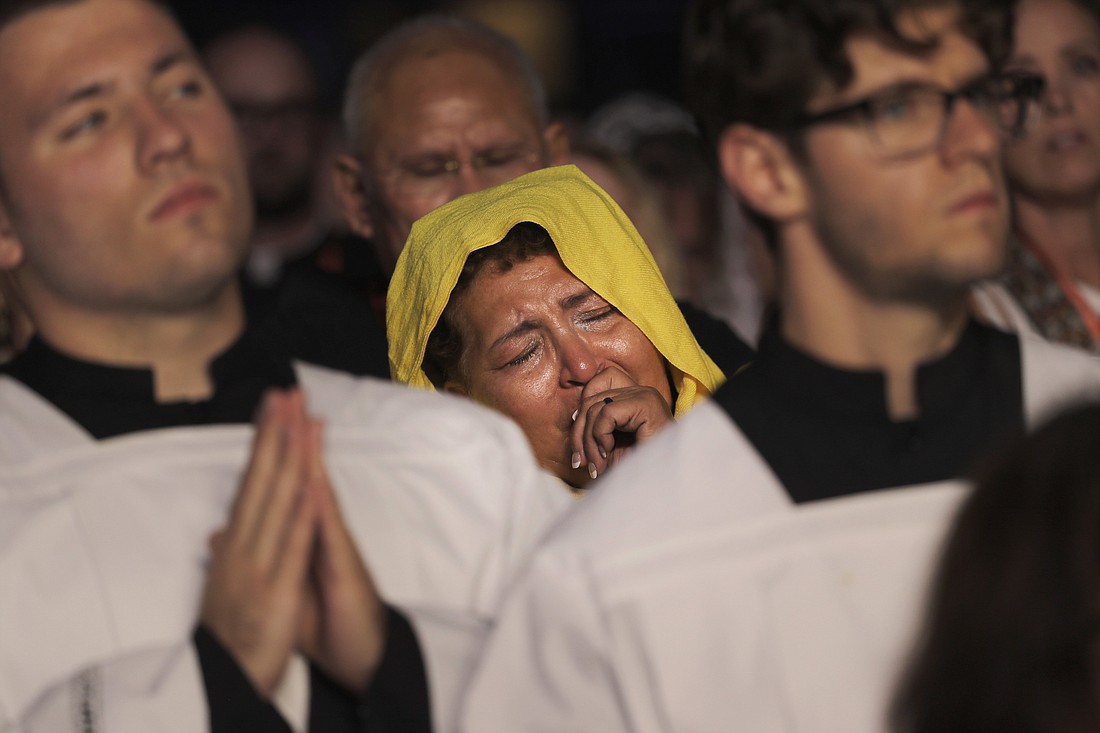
(826, 432)
(108, 401)
(721, 343)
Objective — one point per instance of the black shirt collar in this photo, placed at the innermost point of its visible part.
(940, 383)
(826, 431)
(108, 400)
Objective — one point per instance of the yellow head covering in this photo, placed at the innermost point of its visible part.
(596, 242)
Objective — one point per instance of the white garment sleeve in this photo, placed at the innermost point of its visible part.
(154, 690)
(546, 666)
(158, 690)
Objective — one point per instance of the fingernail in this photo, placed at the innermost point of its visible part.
(592, 470)
(575, 413)
(577, 460)
(603, 453)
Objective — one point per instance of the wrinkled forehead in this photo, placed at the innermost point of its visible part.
(425, 83)
(512, 284)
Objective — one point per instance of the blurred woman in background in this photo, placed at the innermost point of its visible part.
(1053, 276)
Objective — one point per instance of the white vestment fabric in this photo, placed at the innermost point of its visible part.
(689, 594)
(993, 304)
(103, 545)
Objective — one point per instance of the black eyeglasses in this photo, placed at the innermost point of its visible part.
(910, 119)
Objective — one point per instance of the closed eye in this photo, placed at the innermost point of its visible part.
(597, 315)
(426, 167)
(499, 158)
(88, 123)
(526, 356)
(522, 359)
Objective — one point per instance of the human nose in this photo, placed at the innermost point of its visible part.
(968, 132)
(468, 180)
(579, 361)
(1056, 98)
(161, 136)
(472, 176)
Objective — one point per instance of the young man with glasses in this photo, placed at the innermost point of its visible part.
(163, 566)
(758, 567)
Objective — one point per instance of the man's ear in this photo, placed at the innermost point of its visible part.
(761, 170)
(557, 143)
(347, 181)
(11, 248)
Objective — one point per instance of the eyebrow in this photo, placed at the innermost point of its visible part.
(576, 299)
(99, 89)
(518, 330)
(166, 62)
(566, 303)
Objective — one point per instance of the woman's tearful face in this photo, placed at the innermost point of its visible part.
(534, 336)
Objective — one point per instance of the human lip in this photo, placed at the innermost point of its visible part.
(183, 199)
(976, 201)
(1065, 141)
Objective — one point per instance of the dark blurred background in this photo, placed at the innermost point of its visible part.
(588, 51)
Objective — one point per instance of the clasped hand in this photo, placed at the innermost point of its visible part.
(615, 414)
(284, 573)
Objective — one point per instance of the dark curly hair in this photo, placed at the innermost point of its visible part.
(445, 349)
(760, 61)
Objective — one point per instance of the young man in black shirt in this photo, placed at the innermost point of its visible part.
(759, 565)
(124, 216)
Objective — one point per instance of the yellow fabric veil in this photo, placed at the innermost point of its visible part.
(596, 242)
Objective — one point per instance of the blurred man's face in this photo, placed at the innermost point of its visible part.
(124, 188)
(921, 227)
(445, 125)
(268, 84)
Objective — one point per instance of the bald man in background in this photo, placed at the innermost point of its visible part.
(438, 107)
(442, 106)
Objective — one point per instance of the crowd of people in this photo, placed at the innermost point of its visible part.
(775, 411)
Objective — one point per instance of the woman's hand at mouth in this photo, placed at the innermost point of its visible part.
(614, 414)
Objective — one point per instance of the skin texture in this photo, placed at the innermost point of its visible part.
(141, 168)
(269, 85)
(267, 80)
(285, 574)
(1058, 162)
(1055, 170)
(450, 106)
(540, 345)
(124, 217)
(919, 230)
(125, 209)
(878, 255)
